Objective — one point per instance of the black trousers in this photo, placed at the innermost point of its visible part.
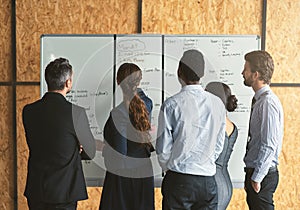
(189, 192)
(263, 200)
(38, 205)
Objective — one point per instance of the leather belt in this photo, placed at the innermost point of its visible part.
(250, 170)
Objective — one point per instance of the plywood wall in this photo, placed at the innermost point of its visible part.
(283, 39)
(25, 95)
(202, 17)
(35, 18)
(5, 41)
(6, 111)
(287, 195)
(6, 149)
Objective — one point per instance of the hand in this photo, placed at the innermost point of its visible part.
(99, 144)
(256, 186)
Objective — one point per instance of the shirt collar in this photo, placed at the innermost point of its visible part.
(52, 95)
(261, 91)
(192, 87)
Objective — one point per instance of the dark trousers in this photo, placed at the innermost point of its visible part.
(38, 205)
(263, 200)
(189, 192)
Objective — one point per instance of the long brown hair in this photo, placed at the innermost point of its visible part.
(129, 76)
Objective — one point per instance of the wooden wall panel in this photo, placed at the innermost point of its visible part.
(25, 95)
(5, 41)
(238, 200)
(288, 193)
(202, 17)
(283, 39)
(6, 111)
(6, 149)
(93, 202)
(35, 18)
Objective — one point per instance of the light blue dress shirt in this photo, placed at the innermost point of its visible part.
(266, 131)
(191, 132)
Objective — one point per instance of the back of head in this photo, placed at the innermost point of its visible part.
(224, 93)
(262, 62)
(191, 65)
(129, 76)
(57, 73)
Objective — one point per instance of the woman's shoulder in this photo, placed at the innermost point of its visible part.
(148, 102)
(119, 112)
(233, 135)
(231, 129)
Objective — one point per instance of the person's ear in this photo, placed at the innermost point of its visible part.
(179, 73)
(181, 77)
(256, 75)
(69, 83)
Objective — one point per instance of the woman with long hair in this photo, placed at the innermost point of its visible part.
(129, 182)
(224, 184)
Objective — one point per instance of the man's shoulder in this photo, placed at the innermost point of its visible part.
(171, 101)
(270, 98)
(32, 105)
(176, 97)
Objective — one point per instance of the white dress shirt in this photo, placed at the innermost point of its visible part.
(191, 132)
(266, 131)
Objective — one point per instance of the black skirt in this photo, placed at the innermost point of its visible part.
(125, 193)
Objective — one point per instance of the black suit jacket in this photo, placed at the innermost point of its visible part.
(54, 130)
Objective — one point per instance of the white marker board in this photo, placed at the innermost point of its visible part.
(224, 62)
(96, 58)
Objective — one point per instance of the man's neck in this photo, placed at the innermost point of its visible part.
(258, 85)
(63, 92)
(190, 83)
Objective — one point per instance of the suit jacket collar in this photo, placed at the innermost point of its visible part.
(54, 96)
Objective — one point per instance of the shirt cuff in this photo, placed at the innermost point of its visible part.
(257, 177)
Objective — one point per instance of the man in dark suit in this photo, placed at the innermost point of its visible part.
(58, 137)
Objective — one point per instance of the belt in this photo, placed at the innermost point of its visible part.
(250, 170)
(182, 174)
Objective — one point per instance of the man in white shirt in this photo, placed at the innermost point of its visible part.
(191, 134)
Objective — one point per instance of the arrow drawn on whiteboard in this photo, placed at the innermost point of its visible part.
(131, 45)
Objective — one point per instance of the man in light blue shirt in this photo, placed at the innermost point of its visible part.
(265, 132)
(191, 133)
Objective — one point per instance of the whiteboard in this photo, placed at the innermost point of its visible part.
(224, 62)
(96, 58)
